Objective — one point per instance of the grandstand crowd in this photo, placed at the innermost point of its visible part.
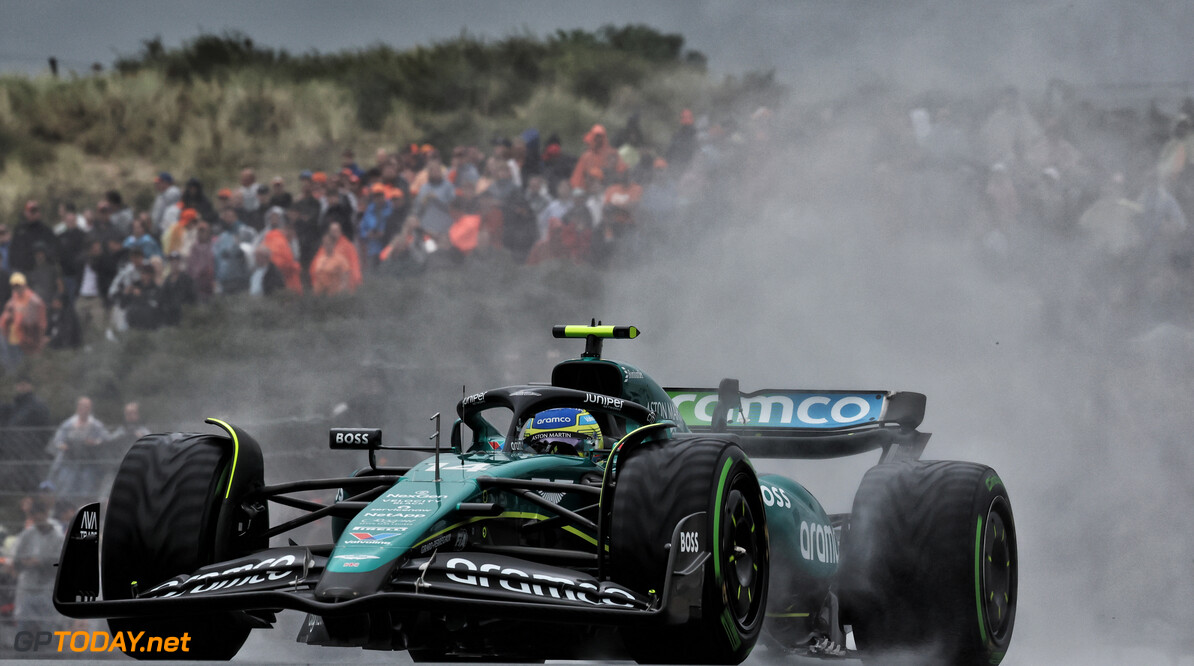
(108, 268)
(74, 274)
(1003, 172)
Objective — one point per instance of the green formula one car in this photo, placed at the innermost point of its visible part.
(600, 516)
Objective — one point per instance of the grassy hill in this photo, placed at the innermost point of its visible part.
(221, 102)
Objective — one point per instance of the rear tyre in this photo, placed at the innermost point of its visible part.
(929, 564)
(161, 522)
(658, 485)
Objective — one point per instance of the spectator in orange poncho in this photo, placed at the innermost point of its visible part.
(330, 272)
(349, 250)
(344, 248)
(600, 155)
(278, 239)
(179, 237)
(23, 321)
(465, 232)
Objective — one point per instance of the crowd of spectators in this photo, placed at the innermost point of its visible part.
(1059, 167)
(100, 271)
(1091, 197)
(95, 273)
(83, 455)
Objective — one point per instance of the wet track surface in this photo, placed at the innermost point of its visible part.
(277, 646)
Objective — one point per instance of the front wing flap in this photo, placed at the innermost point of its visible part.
(476, 582)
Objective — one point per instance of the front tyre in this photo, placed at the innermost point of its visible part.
(162, 522)
(929, 563)
(658, 485)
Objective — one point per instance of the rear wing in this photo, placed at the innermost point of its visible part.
(801, 423)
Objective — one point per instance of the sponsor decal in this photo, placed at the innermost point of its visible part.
(690, 542)
(432, 545)
(633, 374)
(474, 398)
(398, 512)
(369, 536)
(526, 392)
(351, 438)
(271, 569)
(397, 529)
(88, 526)
(552, 496)
(818, 543)
(605, 401)
(355, 557)
(417, 497)
(666, 409)
(784, 409)
(775, 496)
(492, 575)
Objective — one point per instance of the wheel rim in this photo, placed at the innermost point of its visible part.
(744, 557)
(998, 571)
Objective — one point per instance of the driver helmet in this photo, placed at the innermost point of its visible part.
(565, 430)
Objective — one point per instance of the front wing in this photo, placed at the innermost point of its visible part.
(473, 582)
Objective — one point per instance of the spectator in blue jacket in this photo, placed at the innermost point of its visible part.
(372, 232)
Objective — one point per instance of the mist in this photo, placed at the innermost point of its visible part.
(809, 282)
(802, 268)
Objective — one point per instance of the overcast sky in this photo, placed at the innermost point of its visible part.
(818, 46)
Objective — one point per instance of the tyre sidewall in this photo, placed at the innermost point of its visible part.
(161, 522)
(912, 567)
(740, 636)
(659, 485)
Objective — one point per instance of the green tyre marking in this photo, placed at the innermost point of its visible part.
(727, 623)
(725, 472)
(978, 593)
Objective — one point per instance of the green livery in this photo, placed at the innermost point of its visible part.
(595, 516)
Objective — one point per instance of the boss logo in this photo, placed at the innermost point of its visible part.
(354, 438)
(690, 542)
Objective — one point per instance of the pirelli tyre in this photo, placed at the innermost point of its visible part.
(929, 564)
(659, 484)
(164, 519)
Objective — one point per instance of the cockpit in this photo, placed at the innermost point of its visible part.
(561, 431)
(547, 420)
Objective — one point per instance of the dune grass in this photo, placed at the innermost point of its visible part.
(219, 103)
